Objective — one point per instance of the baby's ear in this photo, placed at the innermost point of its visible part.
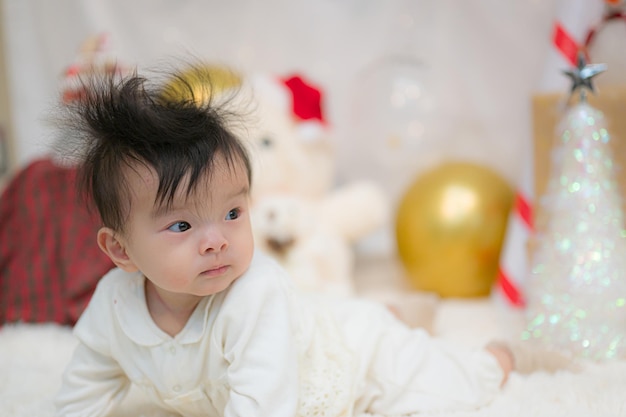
(113, 246)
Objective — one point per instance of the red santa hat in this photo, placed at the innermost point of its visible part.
(306, 106)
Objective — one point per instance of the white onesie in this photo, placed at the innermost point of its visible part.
(260, 349)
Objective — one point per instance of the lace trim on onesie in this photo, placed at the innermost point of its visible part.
(327, 372)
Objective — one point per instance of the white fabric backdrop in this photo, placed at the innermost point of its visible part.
(481, 61)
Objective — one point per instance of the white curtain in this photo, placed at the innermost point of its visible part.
(479, 61)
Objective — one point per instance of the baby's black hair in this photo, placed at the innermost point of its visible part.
(122, 121)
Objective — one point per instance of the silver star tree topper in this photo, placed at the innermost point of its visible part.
(582, 75)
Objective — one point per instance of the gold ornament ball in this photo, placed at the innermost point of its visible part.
(200, 82)
(450, 226)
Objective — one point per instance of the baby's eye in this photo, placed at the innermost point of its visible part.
(233, 214)
(179, 227)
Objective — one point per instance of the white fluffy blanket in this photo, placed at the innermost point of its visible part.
(32, 358)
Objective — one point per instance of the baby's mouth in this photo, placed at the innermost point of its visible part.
(219, 270)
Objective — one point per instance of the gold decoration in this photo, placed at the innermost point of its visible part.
(200, 83)
(450, 227)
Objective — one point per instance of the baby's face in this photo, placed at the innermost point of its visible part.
(202, 243)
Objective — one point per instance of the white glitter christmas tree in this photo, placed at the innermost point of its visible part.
(577, 284)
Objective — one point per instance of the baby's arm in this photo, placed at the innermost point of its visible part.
(257, 336)
(93, 385)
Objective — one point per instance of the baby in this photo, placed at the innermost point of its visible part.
(199, 320)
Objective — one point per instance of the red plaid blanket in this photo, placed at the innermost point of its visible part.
(49, 259)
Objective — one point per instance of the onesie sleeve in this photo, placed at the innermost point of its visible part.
(93, 385)
(258, 341)
(93, 382)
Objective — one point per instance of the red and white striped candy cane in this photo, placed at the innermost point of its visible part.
(514, 258)
(571, 28)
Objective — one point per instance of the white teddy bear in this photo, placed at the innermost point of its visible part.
(314, 239)
(293, 231)
(299, 216)
(291, 152)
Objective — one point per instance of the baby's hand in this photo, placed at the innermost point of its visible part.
(504, 356)
(525, 358)
(532, 358)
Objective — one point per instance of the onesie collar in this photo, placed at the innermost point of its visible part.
(131, 311)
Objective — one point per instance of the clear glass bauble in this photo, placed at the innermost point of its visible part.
(391, 123)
